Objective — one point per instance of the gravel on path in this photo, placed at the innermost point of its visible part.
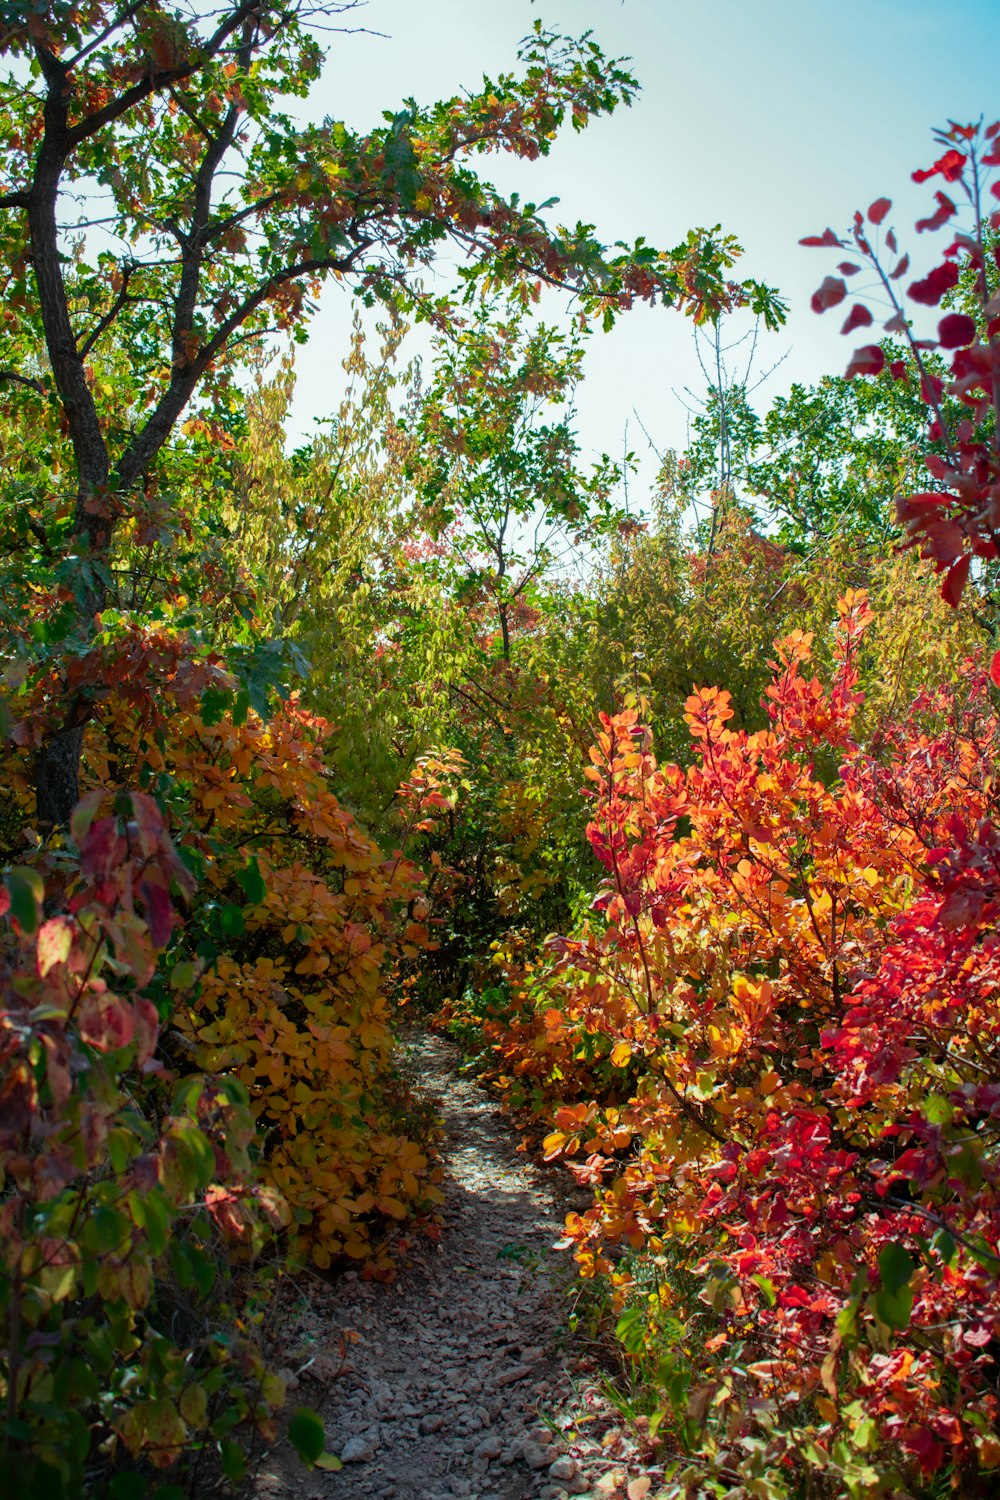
(456, 1379)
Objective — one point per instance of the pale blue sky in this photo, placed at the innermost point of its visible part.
(775, 117)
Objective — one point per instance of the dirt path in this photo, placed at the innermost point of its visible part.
(456, 1384)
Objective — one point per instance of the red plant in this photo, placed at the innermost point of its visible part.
(797, 985)
(957, 518)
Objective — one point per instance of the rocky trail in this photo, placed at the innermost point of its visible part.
(458, 1379)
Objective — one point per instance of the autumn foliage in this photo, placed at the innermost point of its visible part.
(122, 1184)
(293, 737)
(789, 986)
(954, 520)
(197, 1050)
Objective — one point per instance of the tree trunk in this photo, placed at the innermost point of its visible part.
(504, 630)
(57, 764)
(57, 778)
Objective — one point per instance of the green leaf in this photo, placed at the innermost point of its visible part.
(894, 1302)
(234, 1462)
(306, 1435)
(631, 1329)
(26, 895)
(241, 707)
(231, 920)
(252, 882)
(895, 1268)
(937, 1110)
(944, 1244)
(183, 975)
(214, 704)
(767, 1289)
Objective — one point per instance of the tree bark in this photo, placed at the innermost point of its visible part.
(57, 764)
(57, 777)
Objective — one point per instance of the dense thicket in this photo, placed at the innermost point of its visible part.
(295, 735)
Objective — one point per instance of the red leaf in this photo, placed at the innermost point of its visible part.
(147, 1029)
(159, 912)
(995, 669)
(825, 241)
(848, 268)
(829, 293)
(956, 331)
(84, 813)
(934, 285)
(18, 1100)
(106, 1023)
(942, 214)
(868, 360)
(955, 580)
(102, 848)
(879, 209)
(949, 165)
(942, 541)
(901, 269)
(890, 241)
(858, 317)
(147, 822)
(898, 369)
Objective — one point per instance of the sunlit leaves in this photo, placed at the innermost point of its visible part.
(793, 1141)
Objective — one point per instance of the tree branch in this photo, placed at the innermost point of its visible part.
(109, 317)
(153, 81)
(192, 243)
(102, 37)
(16, 379)
(185, 377)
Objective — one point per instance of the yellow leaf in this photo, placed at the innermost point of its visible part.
(988, 1450)
(392, 1207)
(826, 1408)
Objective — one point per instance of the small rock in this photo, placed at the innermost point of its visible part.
(432, 1422)
(490, 1447)
(359, 1449)
(535, 1455)
(563, 1468)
